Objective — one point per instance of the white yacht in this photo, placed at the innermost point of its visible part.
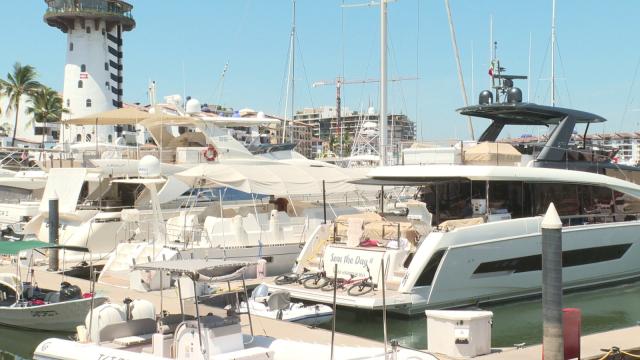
(485, 244)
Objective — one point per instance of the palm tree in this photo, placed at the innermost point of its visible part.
(45, 107)
(20, 82)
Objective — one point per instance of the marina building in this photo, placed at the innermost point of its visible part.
(326, 126)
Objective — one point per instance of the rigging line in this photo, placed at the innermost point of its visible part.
(395, 65)
(629, 94)
(539, 77)
(342, 49)
(304, 70)
(285, 82)
(564, 74)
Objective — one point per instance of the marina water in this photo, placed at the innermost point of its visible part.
(513, 323)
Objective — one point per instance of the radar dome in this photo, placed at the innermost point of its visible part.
(193, 106)
(260, 115)
(149, 166)
(371, 111)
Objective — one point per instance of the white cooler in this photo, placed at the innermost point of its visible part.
(459, 333)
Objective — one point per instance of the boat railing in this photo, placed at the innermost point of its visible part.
(588, 219)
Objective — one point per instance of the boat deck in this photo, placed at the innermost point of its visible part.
(395, 301)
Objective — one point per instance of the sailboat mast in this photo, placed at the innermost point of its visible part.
(290, 75)
(454, 43)
(553, 54)
(383, 83)
(293, 68)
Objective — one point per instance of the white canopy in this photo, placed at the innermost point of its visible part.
(270, 179)
(426, 173)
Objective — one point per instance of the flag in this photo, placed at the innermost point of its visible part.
(84, 75)
(491, 69)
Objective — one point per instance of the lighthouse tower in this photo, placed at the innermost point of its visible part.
(93, 70)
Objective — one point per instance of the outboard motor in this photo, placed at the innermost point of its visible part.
(514, 95)
(485, 98)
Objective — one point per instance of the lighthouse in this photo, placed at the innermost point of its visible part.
(93, 70)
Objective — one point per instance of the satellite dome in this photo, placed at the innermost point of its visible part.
(371, 111)
(193, 106)
(149, 166)
(260, 115)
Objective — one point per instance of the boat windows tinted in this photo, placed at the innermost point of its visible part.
(429, 271)
(569, 258)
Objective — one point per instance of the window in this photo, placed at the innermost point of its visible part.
(78, 137)
(106, 66)
(88, 103)
(68, 102)
(106, 84)
(570, 258)
(80, 84)
(87, 138)
(83, 68)
(70, 46)
(110, 138)
(103, 32)
(429, 271)
(88, 30)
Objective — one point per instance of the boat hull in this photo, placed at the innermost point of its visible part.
(62, 316)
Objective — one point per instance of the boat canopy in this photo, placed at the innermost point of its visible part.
(218, 270)
(420, 174)
(528, 114)
(270, 179)
(15, 247)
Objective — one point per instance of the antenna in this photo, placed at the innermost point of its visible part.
(291, 74)
(529, 71)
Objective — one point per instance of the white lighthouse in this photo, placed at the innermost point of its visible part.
(93, 70)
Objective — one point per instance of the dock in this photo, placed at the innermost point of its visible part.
(627, 339)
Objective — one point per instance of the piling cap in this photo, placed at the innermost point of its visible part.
(54, 195)
(551, 219)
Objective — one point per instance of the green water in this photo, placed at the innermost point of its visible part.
(513, 323)
(602, 309)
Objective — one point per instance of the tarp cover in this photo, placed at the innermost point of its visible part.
(269, 179)
(492, 153)
(122, 116)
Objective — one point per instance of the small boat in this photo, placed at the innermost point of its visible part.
(25, 305)
(277, 305)
(135, 331)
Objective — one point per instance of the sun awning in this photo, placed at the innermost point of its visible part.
(122, 116)
(15, 247)
(269, 179)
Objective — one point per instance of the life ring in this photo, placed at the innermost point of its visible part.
(210, 153)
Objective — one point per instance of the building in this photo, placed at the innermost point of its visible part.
(28, 132)
(94, 68)
(325, 126)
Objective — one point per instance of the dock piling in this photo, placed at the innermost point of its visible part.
(552, 338)
(54, 222)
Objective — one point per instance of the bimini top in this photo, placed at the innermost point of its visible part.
(528, 114)
(419, 174)
(218, 270)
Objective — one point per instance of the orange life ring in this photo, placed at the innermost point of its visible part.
(210, 153)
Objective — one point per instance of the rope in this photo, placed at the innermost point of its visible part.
(630, 355)
(606, 356)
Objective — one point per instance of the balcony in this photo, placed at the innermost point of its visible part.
(59, 12)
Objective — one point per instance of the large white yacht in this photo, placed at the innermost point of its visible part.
(485, 244)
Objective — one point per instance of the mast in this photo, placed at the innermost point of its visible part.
(529, 72)
(290, 75)
(553, 54)
(383, 83)
(459, 65)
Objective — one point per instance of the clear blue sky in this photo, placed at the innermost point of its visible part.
(596, 41)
